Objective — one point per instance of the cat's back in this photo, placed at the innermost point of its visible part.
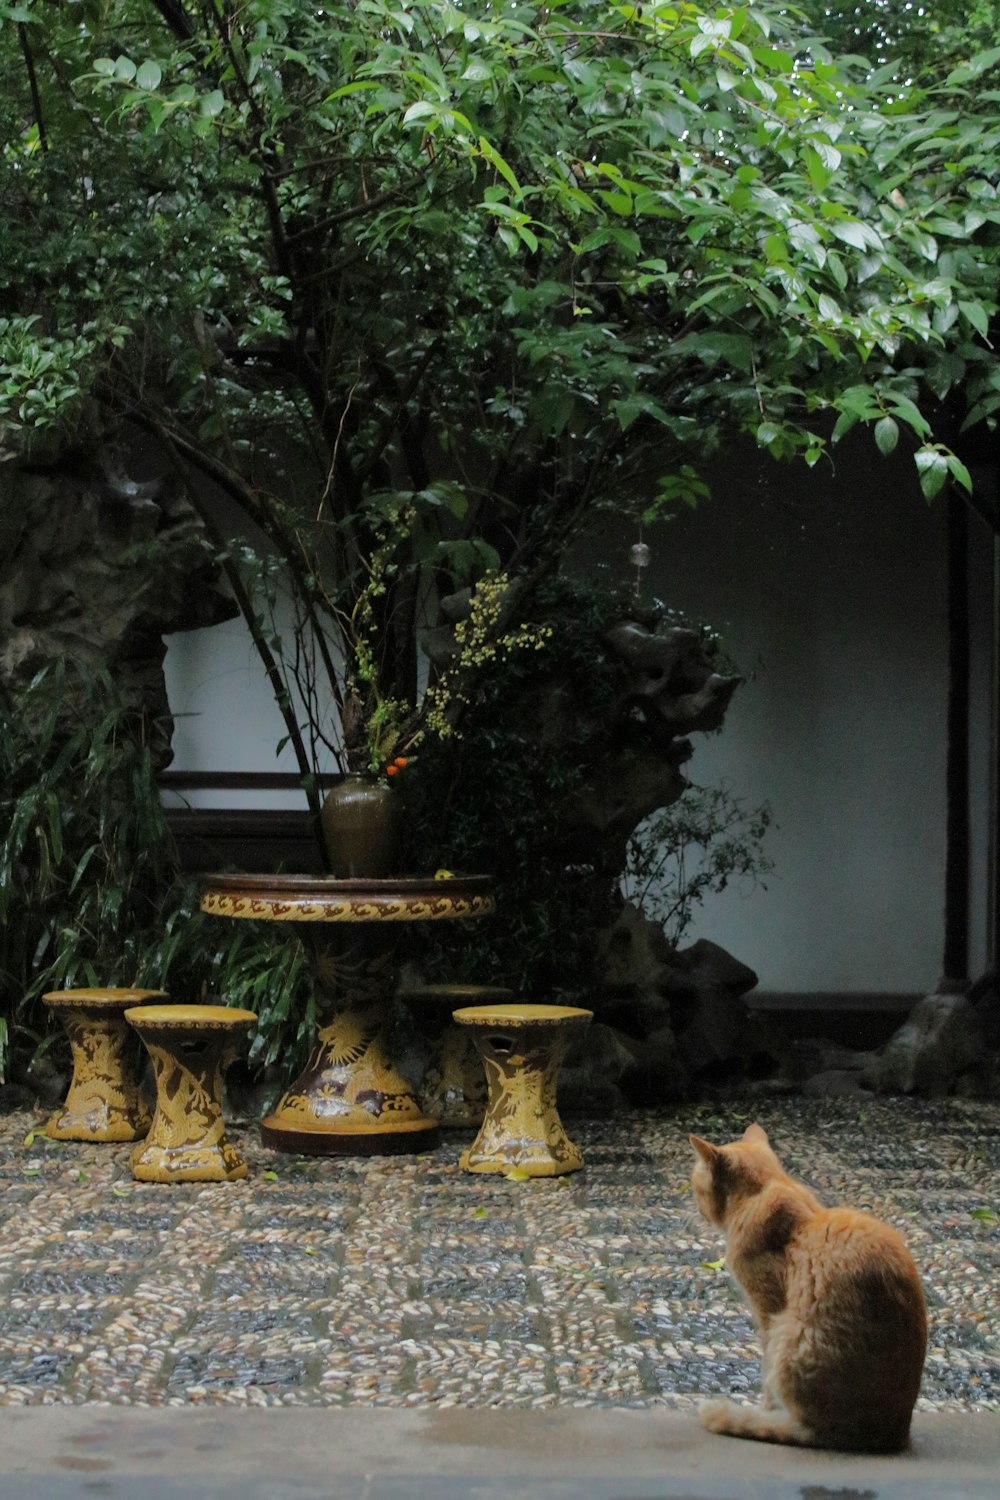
(856, 1269)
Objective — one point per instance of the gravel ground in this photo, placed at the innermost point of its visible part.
(401, 1281)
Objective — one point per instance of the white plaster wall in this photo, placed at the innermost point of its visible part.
(830, 591)
(225, 717)
(982, 790)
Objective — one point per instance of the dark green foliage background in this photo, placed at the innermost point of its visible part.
(91, 891)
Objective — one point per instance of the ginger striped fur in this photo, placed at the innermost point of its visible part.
(836, 1299)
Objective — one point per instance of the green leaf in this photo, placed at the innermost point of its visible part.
(619, 203)
(492, 155)
(552, 409)
(148, 75)
(819, 176)
(959, 472)
(843, 424)
(635, 406)
(886, 435)
(926, 244)
(976, 314)
(837, 269)
(861, 400)
(449, 493)
(910, 413)
(735, 348)
(510, 238)
(853, 232)
(932, 467)
(985, 1214)
(358, 86)
(418, 111)
(212, 104)
(974, 68)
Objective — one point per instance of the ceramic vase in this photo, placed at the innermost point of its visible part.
(361, 823)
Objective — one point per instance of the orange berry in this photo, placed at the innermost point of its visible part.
(400, 761)
(392, 770)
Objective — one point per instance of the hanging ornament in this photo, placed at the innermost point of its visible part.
(638, 556)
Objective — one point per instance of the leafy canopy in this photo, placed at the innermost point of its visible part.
(509, 261)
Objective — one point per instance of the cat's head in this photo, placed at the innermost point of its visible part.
(736, 1170)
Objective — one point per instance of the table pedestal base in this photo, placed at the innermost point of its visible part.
(422, 1135)
(351, 1099)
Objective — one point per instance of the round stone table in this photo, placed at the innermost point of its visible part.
(350, 1099)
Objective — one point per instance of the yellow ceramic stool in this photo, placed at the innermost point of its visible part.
(453, 1091)
(103, 1101)
(522, 1047)
(191, 1047)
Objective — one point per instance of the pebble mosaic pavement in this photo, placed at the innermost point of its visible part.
(401, 1281)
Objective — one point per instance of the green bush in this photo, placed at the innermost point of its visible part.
(491, 801)
(700, 844)
(91, 891)
(495, 801)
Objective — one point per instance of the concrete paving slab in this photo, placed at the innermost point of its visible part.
(109, 1453)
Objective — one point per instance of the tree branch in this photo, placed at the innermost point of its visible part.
(358, 211)
(279, 687)
(301, 567)
(36, 98)
(176, 18)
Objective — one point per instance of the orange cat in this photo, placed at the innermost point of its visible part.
(835, 1295)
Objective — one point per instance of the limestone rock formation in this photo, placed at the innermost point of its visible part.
(939, 1045)
(667, 688)
(95, 569)
(948, 1044)
(675, 1014)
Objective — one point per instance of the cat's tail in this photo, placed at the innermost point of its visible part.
(766, 1426)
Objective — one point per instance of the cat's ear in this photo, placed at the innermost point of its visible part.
(756, 1133)
(705, 1149)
